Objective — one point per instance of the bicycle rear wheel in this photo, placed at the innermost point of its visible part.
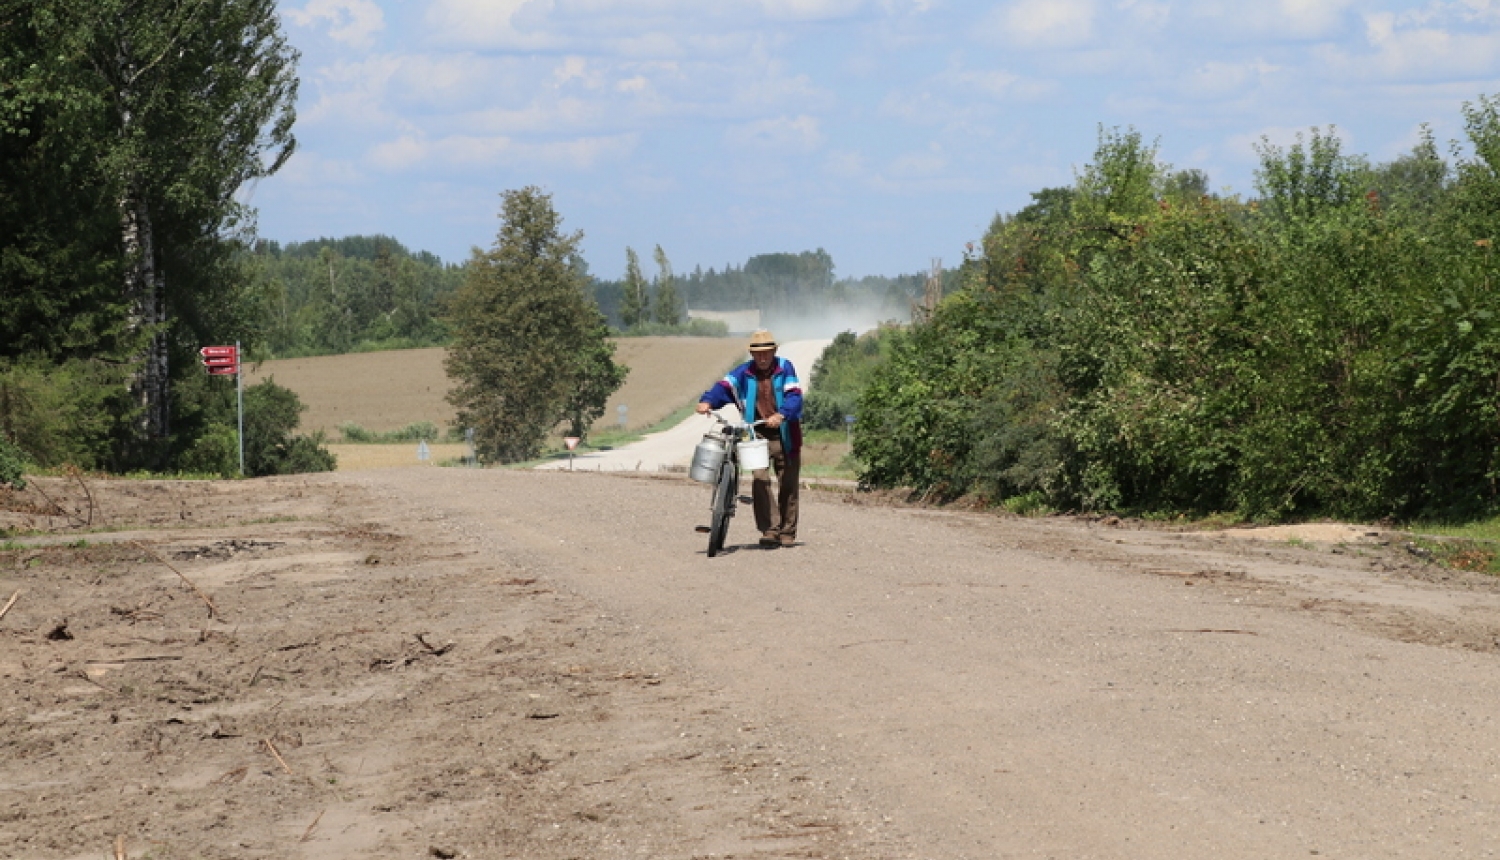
(725, 490)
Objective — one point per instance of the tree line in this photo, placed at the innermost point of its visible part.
(357, 293)
(1330, 346)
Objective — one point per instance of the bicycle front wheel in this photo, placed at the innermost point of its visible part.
(725, 490)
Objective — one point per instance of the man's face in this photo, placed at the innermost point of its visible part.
(763, 358)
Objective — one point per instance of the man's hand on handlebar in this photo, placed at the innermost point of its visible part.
(775, 421)
(703, 408)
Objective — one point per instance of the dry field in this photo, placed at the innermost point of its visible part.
(382, 391)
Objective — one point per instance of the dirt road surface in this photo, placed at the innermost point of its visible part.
(673, 448)
(506, 664)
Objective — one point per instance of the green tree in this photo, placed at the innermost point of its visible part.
(528, 342)
(272, 413)
(668, 306)
(635, 304)
(166, 108)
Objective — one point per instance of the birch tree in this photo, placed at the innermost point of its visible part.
(169, 107)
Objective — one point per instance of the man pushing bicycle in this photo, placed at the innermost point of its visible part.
(770, 383)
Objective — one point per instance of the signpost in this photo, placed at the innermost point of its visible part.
(225, 361)
(571, 442)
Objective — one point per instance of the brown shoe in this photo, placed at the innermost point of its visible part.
(769, 540)
(788, 540)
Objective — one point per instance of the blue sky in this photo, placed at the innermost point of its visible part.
(888, 132)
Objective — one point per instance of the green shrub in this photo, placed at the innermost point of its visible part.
(822, 411)
(271, 414)
(417, 431)
(58, 414)
(11, 464)
(214, 452)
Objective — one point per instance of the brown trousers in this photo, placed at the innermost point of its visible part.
(777, 514)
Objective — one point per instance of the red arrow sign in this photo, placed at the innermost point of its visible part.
(231, 370)
(219, 351)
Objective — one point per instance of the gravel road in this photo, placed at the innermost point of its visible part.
(673, 448)
(981, 687)
(495, 663)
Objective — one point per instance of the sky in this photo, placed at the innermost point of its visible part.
(888, 132)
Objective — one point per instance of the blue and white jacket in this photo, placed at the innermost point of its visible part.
(786, 387)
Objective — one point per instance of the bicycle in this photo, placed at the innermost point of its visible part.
(718, 461)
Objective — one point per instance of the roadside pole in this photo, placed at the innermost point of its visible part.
(239, 390)
(222, 361)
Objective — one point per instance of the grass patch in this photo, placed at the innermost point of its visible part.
(1459, 553)
(1473, 546)
(420, 431)
(1033, 504)
(1479, 530)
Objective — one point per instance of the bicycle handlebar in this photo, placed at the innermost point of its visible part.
(714, 414)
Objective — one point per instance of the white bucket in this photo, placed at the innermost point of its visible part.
(755, 454)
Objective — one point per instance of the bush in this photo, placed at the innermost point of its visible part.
(354, 433)
(214, 452)
(415, 432)
(822, 411)
(61, 414)
(271, 414)
(10, 465)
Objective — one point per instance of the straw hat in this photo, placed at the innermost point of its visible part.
(762, 341)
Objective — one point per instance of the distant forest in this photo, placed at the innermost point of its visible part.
(361, 293)
(358, 293)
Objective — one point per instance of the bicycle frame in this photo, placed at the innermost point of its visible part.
(726, 485)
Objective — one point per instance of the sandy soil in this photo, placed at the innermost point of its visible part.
(504, 664)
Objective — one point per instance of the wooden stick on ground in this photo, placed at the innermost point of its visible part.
(120, 848)
(272, 747)
(10, 603)
(213, 611)
(307, 834)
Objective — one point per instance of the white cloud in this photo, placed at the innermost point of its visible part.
(414, 153)
(1150, 14)
(810, 10)
(919, 165)
(311, 169)
(1419, 46)
(781, 134)
(541, 117)
(1312, 18)
(351, 94)
(1043, 24)
(504, 24)
(1296, 20)
(1218, 80)
(350, 22)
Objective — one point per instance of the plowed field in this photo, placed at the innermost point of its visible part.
(382, 391)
